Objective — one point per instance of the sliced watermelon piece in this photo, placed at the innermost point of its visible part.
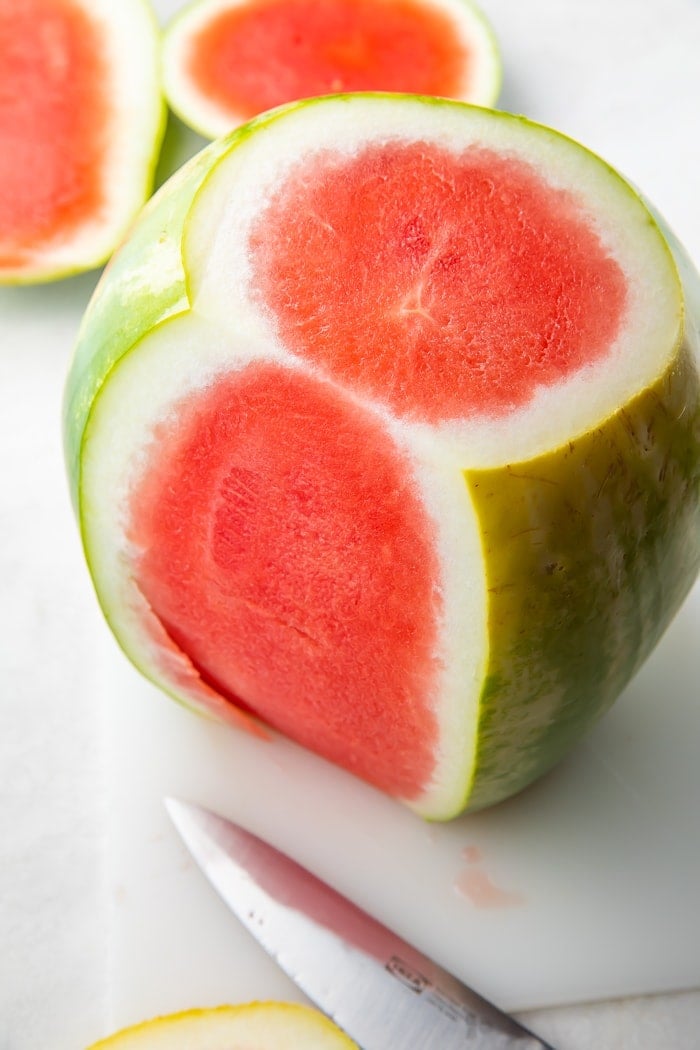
(250, 1026)
(81, 119)
(224, 61)
(384, 429)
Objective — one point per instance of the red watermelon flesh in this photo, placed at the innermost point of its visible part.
(441, 285)
(51, 139)
(270, 520)
(268, 558)
(253, 56)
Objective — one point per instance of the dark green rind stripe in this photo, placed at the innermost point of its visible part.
(590, 551)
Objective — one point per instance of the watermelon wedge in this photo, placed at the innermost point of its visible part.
(224, 61)
(384, 429)
(81, 120)
(251, 1026)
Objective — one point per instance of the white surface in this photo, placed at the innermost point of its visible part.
(594, 871)
(624, 78)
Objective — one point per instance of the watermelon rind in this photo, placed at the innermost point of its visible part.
(212, 119)
(131, 38)
(263, 1025)
(573, 527)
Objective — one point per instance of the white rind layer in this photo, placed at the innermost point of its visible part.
(481, 83)
(238, 189)
(131, 40)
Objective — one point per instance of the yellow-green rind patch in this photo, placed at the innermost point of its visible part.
(589, 552)
(589, 549)
(250, 1026)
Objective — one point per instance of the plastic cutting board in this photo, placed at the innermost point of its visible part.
(584, 887)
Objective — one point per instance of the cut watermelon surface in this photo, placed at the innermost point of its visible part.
(453, 295)
(80, 124)
(297, 534)
(225, 61)
(403, 459)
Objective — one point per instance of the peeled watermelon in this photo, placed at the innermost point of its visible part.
(401, 454)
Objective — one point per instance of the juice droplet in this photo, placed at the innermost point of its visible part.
(477, 887)
(471, 854)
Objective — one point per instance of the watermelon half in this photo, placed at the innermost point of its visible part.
(250, 1026)
(224, 61)
(384, 429)
(81, 120)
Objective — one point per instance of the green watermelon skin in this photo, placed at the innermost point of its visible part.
(594, 549)
(589, 549)
(143, 284)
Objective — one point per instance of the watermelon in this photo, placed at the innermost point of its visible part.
(250, 1026)
(383, 430)
(81, 120)
(225, 61)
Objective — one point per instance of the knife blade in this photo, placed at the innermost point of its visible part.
(375, 986)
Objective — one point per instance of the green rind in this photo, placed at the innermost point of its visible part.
(589, 552)
(143, 284)
(495, 49)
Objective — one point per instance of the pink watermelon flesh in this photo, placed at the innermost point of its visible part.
(449, 285)
(266, 52)
(286, 549)
(53, 112)
(268, 524)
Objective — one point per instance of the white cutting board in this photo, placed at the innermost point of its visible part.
(585, 887)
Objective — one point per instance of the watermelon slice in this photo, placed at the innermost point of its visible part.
(224, 61)
(384, 429)
(81, 119)
(251, 1026)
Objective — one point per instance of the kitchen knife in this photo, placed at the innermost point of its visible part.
(381, 991)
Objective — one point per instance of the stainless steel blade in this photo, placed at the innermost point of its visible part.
(384, 993)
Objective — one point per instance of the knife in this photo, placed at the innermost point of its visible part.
(381, 991)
